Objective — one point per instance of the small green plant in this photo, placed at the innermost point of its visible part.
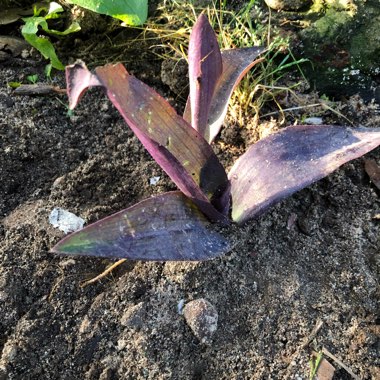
(32, 78)
(314, 364)
(41, 14)
(131, 12)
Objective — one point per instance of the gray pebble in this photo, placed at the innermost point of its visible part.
(202, 317)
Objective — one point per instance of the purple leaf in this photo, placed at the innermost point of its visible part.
(166, 227)
(290, 160)
(78, 79)
(179, 149)
(205, 68)
(236, 63)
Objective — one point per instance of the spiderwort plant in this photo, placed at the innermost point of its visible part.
(176, 225)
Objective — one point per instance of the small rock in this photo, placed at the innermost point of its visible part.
(314, 120)
(202, 317)
(64, 220)
(58, 182)
(291, 221)
(134, 317)
(153, 181)
(288, 5)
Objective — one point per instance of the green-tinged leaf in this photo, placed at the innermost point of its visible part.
(131, 12)
(289, 160)
(166, 227)
(74, 27)
(14, 84)
(236, 63)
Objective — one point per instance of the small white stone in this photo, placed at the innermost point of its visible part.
(153, 181)
(181, 304)
(64, 220)
(314, 120)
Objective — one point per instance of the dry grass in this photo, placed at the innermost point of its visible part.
(248, 26)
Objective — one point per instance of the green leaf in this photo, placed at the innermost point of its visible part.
(43, 45)
(47, 70)
(32, 78)
(131, 12)
(14, 84)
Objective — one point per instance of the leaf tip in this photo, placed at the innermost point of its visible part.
(78, 79)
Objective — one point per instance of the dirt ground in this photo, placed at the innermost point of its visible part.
(313, 257)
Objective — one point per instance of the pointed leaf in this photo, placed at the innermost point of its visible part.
(290, 160)
(78, 79)
(185, 156)
(166, 227)
(205, 68)
(236, 63)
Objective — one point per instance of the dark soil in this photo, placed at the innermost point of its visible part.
(311, 258)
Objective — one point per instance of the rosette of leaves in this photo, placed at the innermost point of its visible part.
(176, 225)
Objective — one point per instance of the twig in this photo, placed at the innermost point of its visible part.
(38, 89)
(312, 335)
(103, 274)
(339, 362)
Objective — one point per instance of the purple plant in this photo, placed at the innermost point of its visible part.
(176, 225)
